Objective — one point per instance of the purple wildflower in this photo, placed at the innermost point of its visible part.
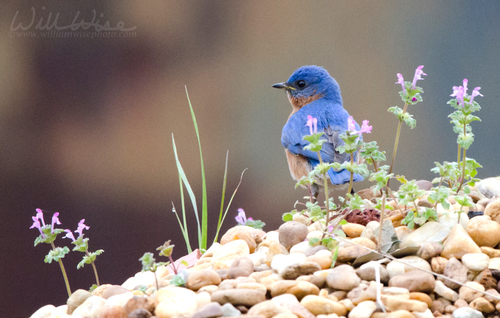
(401, 81)
(475, 93)
(365, 128)
(55, 220)
(81, 227)
(69, 235)
(418, 75)
(351, 125)
(36, 223)
(39, 215)
(459, 92)
(312, 123)
(242, 218)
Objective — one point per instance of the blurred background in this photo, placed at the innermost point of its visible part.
(86, 123)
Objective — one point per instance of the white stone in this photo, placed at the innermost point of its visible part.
(449, 218)
(429, 232)
(363, 309)
(281, 261)
(273, 236)
(90, 307)
(415, 261)
(467, 312)
(395, 268)
(494, 263)
(175, 302)
(301, 247)
(425, 314)
(476, 261)
(44, 311)
(141, 278)
(445, 292)
(397, 291)
(211, 250)
(315, 235)
(119, 300)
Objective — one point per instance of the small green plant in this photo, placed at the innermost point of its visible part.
(149, 265)
(461, 119)
(410, 94)
(48, 234)
(463, 200)
(241, 219)
(82, 245)
(183, 182)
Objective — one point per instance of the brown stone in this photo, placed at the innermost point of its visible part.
(291, 233)
(251, 236)
(414, 281)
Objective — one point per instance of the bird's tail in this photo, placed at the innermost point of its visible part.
(343, 176)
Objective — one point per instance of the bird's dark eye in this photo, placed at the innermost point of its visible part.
(301, 83)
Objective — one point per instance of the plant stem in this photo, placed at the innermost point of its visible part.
(463, 173)
(352, 174)
(463, 159)
(326, 192)
(95, 269)
(396, 142)
(156, 280)
(439, 186)
(173, 265)
(374, 165)
(66, 281)
(458, 155)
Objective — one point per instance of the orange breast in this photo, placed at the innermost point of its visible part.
(299, 167)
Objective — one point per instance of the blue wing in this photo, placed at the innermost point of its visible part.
(332, 120)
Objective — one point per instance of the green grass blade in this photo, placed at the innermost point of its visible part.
(229, 203)
(188, 188)
(224, 183)
(183, 205)
(204, 208)
(183, 229)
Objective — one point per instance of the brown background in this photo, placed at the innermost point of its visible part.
(86, 124)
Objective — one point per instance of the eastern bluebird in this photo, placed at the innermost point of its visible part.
(312, 91)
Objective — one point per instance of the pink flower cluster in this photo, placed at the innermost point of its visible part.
(461, 91)
(417, 77)
(39, 218)
(365, 128)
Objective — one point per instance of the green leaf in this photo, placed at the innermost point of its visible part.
(314, 241)
(315, 142)
(256, 224)
(177, 280)
(329, 243)
(188, 188)
(440, 195)
(166, 249)
(183, 262)
(204, 211)
(464, 200)
(56, 254)
(409, 120)
(229, 204)
(147, 261)
(287, 217)
(334, 256)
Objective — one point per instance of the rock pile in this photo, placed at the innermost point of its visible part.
(280, 274)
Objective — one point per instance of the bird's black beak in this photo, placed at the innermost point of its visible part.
(282, 86)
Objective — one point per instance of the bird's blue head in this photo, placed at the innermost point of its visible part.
(309, 83)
